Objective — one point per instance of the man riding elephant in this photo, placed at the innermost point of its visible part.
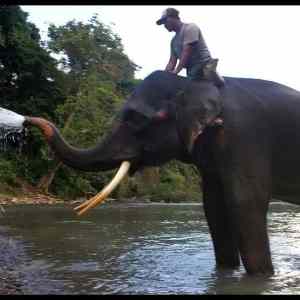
(189, 47)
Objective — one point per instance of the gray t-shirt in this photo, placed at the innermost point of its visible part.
(190, 34)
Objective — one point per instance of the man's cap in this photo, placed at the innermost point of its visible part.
(169, 12)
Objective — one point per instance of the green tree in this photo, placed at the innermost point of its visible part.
(81, 92)
(30, 82)
(90, 47)
(99, 73)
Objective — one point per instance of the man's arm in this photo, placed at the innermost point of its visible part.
(171, 64)
(186, 52)
(191, 36)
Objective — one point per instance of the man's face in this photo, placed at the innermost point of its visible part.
(169, 24)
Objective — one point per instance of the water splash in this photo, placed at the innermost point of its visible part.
(12, 131)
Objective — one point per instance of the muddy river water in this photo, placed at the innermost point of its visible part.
(142, 249)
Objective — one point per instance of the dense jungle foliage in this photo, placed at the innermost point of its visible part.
(78, 78)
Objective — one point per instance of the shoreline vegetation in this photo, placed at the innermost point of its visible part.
(41, 199)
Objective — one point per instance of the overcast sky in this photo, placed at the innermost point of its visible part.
(250, 41)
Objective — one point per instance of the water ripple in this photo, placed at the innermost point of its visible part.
(155, 249)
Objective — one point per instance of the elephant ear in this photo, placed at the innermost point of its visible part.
(197, 107)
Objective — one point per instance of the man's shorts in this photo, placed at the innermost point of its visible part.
(196, 71)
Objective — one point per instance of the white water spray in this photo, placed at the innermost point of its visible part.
(10, 118)
(11, 128)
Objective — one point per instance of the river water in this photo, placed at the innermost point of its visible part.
(142, 249)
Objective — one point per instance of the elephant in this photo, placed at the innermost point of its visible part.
(245, 161)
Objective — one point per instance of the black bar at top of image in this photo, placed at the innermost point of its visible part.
(152, 2)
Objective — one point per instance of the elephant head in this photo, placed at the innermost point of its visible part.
(160, 121)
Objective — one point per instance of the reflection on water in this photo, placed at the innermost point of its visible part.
(144, 249)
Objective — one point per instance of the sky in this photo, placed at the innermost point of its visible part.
(249, 41)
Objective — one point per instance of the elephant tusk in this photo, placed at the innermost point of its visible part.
(100, 197)
(87, 202)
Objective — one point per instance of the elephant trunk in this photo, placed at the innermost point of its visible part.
(107, 155)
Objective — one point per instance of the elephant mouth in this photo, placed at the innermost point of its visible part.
(106, 191)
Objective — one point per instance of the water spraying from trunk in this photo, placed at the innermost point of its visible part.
(12, 131)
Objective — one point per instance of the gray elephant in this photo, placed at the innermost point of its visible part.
(252, 157)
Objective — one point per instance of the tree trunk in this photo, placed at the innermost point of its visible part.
(46, 180)
(150, 176)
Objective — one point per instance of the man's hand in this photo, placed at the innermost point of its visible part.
(171, 64)
(186, 53)
(174, 71)
(169, 69)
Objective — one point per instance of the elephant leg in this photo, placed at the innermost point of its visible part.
(223, 236)
(249, 204)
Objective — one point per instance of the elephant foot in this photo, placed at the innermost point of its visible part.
(253, 268)
(228, 262)
(256, 267)
(227, 266)
(260, 272)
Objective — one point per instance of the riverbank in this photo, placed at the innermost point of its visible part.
(39, 198)
(29, 198)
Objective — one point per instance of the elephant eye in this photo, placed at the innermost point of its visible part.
(161, 115)
(135, 120)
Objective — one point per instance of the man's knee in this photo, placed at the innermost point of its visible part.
(214, 77)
